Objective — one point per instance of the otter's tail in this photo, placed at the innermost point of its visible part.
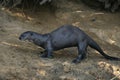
(95, 46)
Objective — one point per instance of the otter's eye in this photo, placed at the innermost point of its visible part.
(31, 34)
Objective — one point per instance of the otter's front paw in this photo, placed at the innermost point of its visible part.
(43, 55)
(76, 61)
(47, 56)
(51, 56)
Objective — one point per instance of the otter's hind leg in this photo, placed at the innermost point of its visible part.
(82, 47)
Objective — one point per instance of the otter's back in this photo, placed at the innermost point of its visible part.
(66, 36)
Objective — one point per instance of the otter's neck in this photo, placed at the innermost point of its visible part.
(40, 39)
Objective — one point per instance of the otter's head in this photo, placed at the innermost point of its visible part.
(26, 36)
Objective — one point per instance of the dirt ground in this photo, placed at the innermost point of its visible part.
(21, 60)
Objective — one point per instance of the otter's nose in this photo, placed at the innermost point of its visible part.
(19, 38)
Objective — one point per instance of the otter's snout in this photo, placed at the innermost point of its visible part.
(19, 38)
(25, 36)
(22, 38)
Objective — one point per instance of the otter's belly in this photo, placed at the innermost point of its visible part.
(63, 42)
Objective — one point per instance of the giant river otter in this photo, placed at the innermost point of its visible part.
(64, 37)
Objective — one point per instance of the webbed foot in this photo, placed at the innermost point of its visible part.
(50, 57)
(44, 55)
(76, 61)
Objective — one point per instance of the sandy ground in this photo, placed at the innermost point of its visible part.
(20, 60)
